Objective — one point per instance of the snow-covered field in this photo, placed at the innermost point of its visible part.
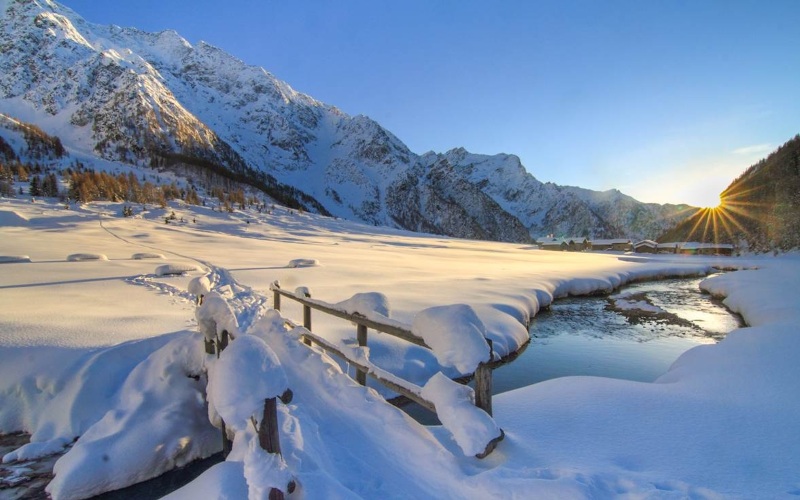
(99, 341)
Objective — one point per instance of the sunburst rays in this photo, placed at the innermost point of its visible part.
(727, 222)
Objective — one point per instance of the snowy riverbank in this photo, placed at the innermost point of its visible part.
(89, 349)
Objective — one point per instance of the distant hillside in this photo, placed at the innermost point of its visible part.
(760, 209)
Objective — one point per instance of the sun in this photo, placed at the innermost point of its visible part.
(727, 222)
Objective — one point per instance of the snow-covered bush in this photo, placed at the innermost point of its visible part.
(176, 269)
(303, 263)
(12, 259)
(79, 257)
(146, 255)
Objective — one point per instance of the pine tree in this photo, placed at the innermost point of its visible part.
(35, 188)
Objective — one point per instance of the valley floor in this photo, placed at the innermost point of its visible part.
(98, 346)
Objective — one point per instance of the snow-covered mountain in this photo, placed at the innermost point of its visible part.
(153, 99)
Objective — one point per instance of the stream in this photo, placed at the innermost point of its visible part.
(636, 334)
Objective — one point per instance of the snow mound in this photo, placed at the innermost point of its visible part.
(303, 263)
(214, 316)
(264, 471)
(199, 286)
(472, 428)
(247, 373)
(455, 334)
(158, 423)
(34, 450)
(12, 259)
(366, 304)
(79, 257)
(146, 255)
(176, 269)
(12, 218)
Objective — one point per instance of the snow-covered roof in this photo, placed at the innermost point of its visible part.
(617, 241)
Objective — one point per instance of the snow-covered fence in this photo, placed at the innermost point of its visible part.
(245, 380)
(480, 361)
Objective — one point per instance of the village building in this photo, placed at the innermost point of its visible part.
(695, 248)
(671, 247)
(618, 245)
(645, 246)
(577, 244)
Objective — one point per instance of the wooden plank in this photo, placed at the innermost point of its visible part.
(404, 391)
(393, 330)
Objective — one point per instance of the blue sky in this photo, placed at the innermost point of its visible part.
(667, 101)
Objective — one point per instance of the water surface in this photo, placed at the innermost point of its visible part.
(588, 336)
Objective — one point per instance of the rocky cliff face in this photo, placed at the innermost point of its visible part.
(145, 98)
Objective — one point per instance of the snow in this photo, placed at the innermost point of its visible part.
(472, 428)
(110, 354)
(159, 423)
(215, 316)
(199, 286)
(247, 373)
(263, 472)
(623, 301)
(367, 304)
(456, 335)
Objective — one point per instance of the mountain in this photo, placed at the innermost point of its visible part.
(759, 210)
(154, 100)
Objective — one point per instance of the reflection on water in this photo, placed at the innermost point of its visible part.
(587, 336)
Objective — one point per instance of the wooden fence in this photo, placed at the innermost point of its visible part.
(268, 437)
(482, 376)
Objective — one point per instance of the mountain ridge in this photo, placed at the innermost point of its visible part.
(143, 98)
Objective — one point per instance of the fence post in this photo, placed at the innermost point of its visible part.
(307, 318)
(483, 383)
(361, 335)
(211, 344)
(483, 388)
(223, 341)
(269, 440)
(227, 444)
(276, 298)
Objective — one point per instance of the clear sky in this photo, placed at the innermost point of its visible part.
(667, 101)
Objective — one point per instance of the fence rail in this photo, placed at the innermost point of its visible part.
(482, 376)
